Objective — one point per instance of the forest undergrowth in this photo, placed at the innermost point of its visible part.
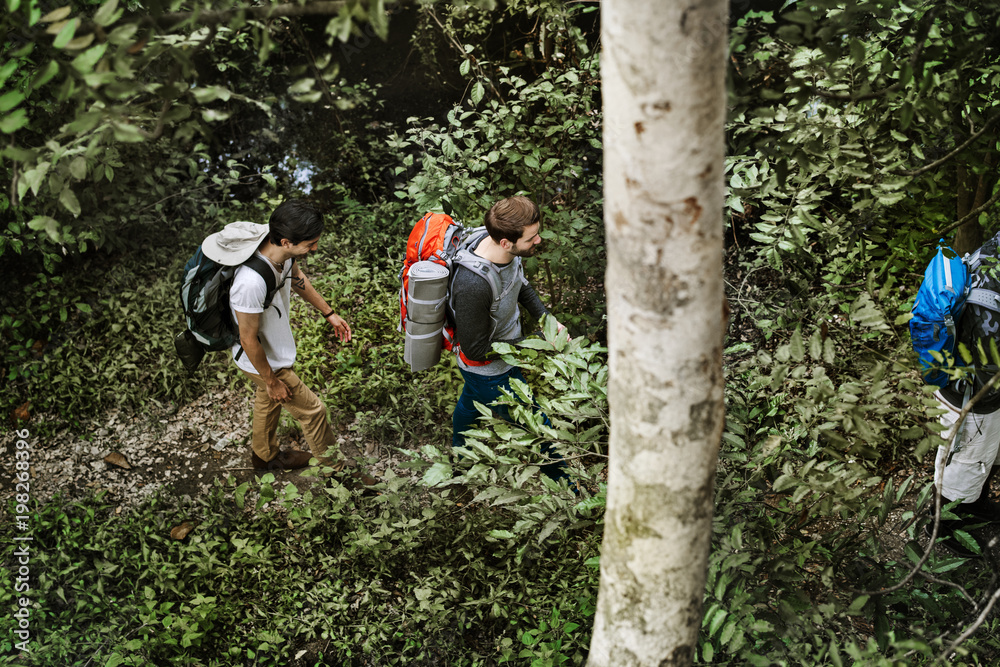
(455, 577)
(853, 129)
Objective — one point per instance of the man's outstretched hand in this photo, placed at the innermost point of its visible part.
(340, 327)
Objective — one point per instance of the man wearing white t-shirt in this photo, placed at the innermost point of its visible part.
(266, 348)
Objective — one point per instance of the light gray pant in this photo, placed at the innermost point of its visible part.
(972, 458)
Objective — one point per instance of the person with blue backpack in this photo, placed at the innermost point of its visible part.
(959, 305)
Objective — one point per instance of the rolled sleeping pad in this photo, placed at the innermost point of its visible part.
(426, 292)
(422, 348)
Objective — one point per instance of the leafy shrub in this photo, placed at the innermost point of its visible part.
(399, 578)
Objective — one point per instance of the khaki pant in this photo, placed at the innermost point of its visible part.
(304, 406)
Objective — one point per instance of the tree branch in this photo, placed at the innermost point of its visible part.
(969, 632)
(956, 151)
(158, 130)
(973, 213)
(949, 584)
(461, 52)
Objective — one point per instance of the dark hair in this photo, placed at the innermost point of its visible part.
(296, 221)
(508, 217)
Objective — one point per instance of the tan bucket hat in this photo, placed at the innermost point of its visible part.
(235, 244)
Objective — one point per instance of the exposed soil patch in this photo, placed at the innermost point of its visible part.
(166, 448)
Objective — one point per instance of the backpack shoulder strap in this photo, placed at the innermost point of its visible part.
(984, 297)
(262, 269)
(481, 267)
(473, 237)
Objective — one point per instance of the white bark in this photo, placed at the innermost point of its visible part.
(663, 72)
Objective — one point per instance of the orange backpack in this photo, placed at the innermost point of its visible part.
(438, 238)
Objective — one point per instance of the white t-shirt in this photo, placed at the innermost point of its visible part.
(247, 295)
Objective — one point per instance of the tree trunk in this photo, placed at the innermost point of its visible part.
(663, 72)
(973, 191)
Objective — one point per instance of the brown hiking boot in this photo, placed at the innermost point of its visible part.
(289, 459)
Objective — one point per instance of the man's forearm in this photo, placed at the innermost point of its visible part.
(255, 353)
(303, 287)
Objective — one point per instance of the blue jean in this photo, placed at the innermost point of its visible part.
(486, 389)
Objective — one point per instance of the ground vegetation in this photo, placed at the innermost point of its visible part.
(858, 134)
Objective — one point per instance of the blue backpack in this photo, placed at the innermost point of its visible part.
(936, 310)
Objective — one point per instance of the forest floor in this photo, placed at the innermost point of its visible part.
(165, 449)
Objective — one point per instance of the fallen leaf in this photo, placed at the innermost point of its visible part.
(117, 459)
(21, 413)
(181, 531)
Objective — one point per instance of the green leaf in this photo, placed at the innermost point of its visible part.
(717, 620)
(212, 115)
(33, 177)
(50, 225)
(796, 347)
(207, 94)
(464, 68)
(858, 604)
(240, 493)
(6, 69)
(69, 201)
(967, 540)
(85, 62)
(57, 15)
(301, 86)
(127, 132)
(106, 14)
(78, 168)
(535, 344)
(81, 42)
(66, 34)
(784, 482)
(436, 474)
(549, 164)
(857, 51)
(43, 77)
(12, 122)
(477, 93)
(84, 307)
(378, 17)
(18, 154)
(10, 100)
(905, 115)
(727, 632)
